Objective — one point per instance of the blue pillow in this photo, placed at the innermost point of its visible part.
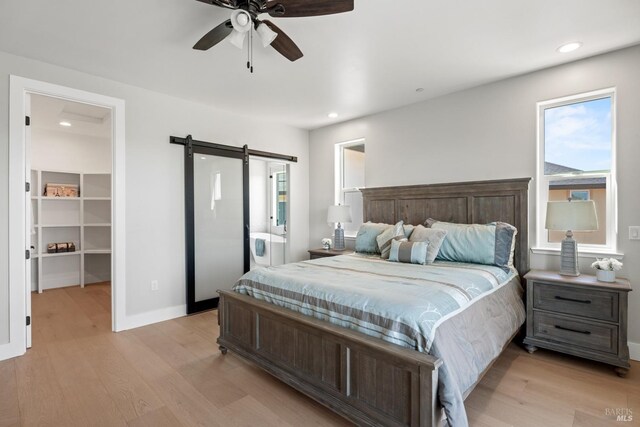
(408, 230)
(489, 244)
(366, 238)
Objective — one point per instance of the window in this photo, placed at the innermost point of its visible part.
(280, 198)
(349, 168)
(576, 152)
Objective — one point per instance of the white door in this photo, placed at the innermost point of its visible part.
(30, 226)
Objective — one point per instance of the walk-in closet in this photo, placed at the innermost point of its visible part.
(70, 158)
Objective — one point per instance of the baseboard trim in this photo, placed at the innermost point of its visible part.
(634, 351)
(155, 316)
(10, 350)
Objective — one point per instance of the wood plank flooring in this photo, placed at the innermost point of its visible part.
(79, 373)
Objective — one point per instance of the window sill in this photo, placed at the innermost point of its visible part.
(586, 253)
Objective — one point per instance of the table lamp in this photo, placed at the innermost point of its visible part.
(570, 216)
(339, 214)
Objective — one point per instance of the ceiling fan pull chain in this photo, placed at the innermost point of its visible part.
(251, 47)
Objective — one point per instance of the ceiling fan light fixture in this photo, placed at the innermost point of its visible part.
(241, 20)
(236, 38)
(267, 35)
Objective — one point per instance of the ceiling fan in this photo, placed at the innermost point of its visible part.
(245, 16)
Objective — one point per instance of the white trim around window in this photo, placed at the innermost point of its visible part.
(341, 191)
(543, 181)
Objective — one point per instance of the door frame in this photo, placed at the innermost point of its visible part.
(190, 150)
(19, 290)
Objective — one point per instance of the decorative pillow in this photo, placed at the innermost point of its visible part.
(506, 240)
(366, 237)
(432, 236)
(384, 239)
(408, 252)
(408, 229)
(490, 244)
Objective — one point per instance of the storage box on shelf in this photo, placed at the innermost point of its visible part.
(84, 220)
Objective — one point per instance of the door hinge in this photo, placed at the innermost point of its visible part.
(27, 186)
(27, 254)
(27, 121)
(28, 320)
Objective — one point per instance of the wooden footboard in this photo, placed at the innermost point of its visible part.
(364, 379)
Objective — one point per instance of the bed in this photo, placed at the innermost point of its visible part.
(367, 377)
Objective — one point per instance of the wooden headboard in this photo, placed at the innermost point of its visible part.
(475, 202)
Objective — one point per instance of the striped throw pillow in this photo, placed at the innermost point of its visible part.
(408, 252)
(385, 238)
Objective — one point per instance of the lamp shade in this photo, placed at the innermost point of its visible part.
(236, 38)
(241, 20)
(577, 215)
(267, 35)
(339, 213)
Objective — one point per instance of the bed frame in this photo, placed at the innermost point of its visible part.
(362, 378)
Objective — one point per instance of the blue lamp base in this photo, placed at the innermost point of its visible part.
(338, 239)
(569, 256)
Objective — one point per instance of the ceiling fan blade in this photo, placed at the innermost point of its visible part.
(283, 44)
(300, 8)
(214, 36)
(229, 4)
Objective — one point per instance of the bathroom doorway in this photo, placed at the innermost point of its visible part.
(219, 211)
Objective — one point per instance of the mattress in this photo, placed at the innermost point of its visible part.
(462, 313)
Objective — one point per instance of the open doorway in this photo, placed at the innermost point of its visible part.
(69, 158)
(105, 197)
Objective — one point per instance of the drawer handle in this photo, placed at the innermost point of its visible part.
(573, 330)
(581, 301)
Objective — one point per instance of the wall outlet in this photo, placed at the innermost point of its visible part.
(634, 232)
(154, 285)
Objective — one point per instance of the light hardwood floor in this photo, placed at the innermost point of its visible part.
(78, 373)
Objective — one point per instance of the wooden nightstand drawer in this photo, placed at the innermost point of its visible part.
(590, 303)
(589, 335)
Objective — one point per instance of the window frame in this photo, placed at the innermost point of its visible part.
(543, 181)
(275, 199)
(341, 191)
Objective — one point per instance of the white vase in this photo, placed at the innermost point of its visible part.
(606, 275)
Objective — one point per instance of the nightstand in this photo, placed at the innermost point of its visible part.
(578, 316)
(323, 253)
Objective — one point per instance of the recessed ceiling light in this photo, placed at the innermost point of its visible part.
(332, 115)
(65, 124)
(203, 158)
(569, 47)
(420, 89)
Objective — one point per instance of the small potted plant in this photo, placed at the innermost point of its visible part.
(326, 243)
(606, 269)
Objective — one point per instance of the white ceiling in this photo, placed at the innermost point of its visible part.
(356, 63)
(85, 119)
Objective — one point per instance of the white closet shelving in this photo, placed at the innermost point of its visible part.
(84, 220)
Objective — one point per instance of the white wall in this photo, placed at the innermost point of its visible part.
(489, 132)
(155, 178)
(64, 151)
